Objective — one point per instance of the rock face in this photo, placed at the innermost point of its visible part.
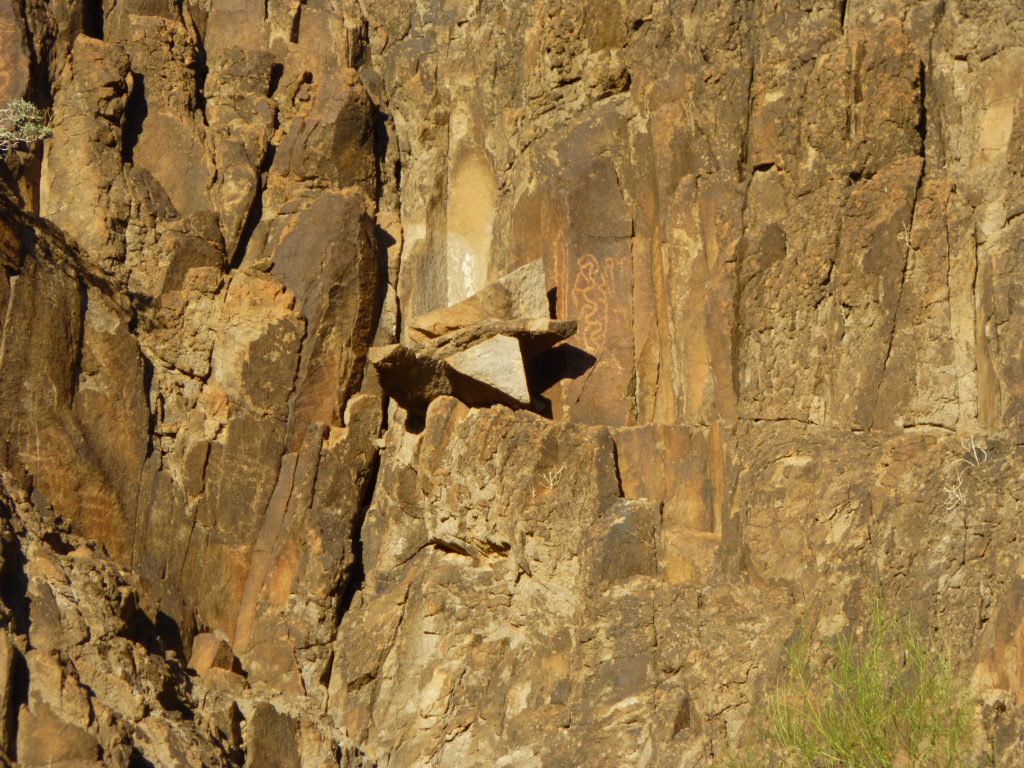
(87, 678)
(298, 467)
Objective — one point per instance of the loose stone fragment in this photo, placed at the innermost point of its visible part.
(475, 349)
(521, 293)
(498, 363)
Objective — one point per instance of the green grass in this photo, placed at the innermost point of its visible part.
(889, 696)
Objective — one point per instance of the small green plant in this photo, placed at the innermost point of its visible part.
(21, 122)
(889, 697)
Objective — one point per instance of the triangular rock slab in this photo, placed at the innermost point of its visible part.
(496, 362)
(521, 293)
(535, 335)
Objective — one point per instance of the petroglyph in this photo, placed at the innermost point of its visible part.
(591, 295)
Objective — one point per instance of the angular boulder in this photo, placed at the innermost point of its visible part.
(521, 293)
(475, 349)
(497, 362)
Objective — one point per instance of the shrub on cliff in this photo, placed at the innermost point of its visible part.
(888, 697)
(21, 122)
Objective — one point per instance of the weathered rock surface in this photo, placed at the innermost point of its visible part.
(86, 678)
(518, 295)
(497, 362)
(789, 234)
(535, 336)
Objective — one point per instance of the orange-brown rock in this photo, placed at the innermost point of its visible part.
(521, 294)
(211, 650)
(788, 235)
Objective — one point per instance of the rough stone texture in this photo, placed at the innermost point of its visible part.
(84, 674)
(211, 650)
(522, 293)
(86, 678)
(790, 233)
(209, 407)
(535, 335)
(497, 362)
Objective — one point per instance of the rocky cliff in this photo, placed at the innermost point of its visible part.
(790, 233)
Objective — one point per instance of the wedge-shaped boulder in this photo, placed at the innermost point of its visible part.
(475, 350)
(414, 378)
(520, 294)
(498, 363)
(535, 335)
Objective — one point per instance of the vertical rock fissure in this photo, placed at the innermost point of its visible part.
(255, 214)
(180, 575)
(201, 70)
(41, 88)
(135, 113)
(75, 374)
(922, 117)
(975, 306)
(355, 575)
(13, 581)
(907, 254)
(19, 700)
(293, 35)
(751, 71)
(151, 447)
(951, 320)
(92, 18)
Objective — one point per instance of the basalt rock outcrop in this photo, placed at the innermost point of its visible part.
(477, 349)
(299, 469)
(88, 679)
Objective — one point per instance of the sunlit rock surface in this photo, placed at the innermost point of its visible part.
(787, 235)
